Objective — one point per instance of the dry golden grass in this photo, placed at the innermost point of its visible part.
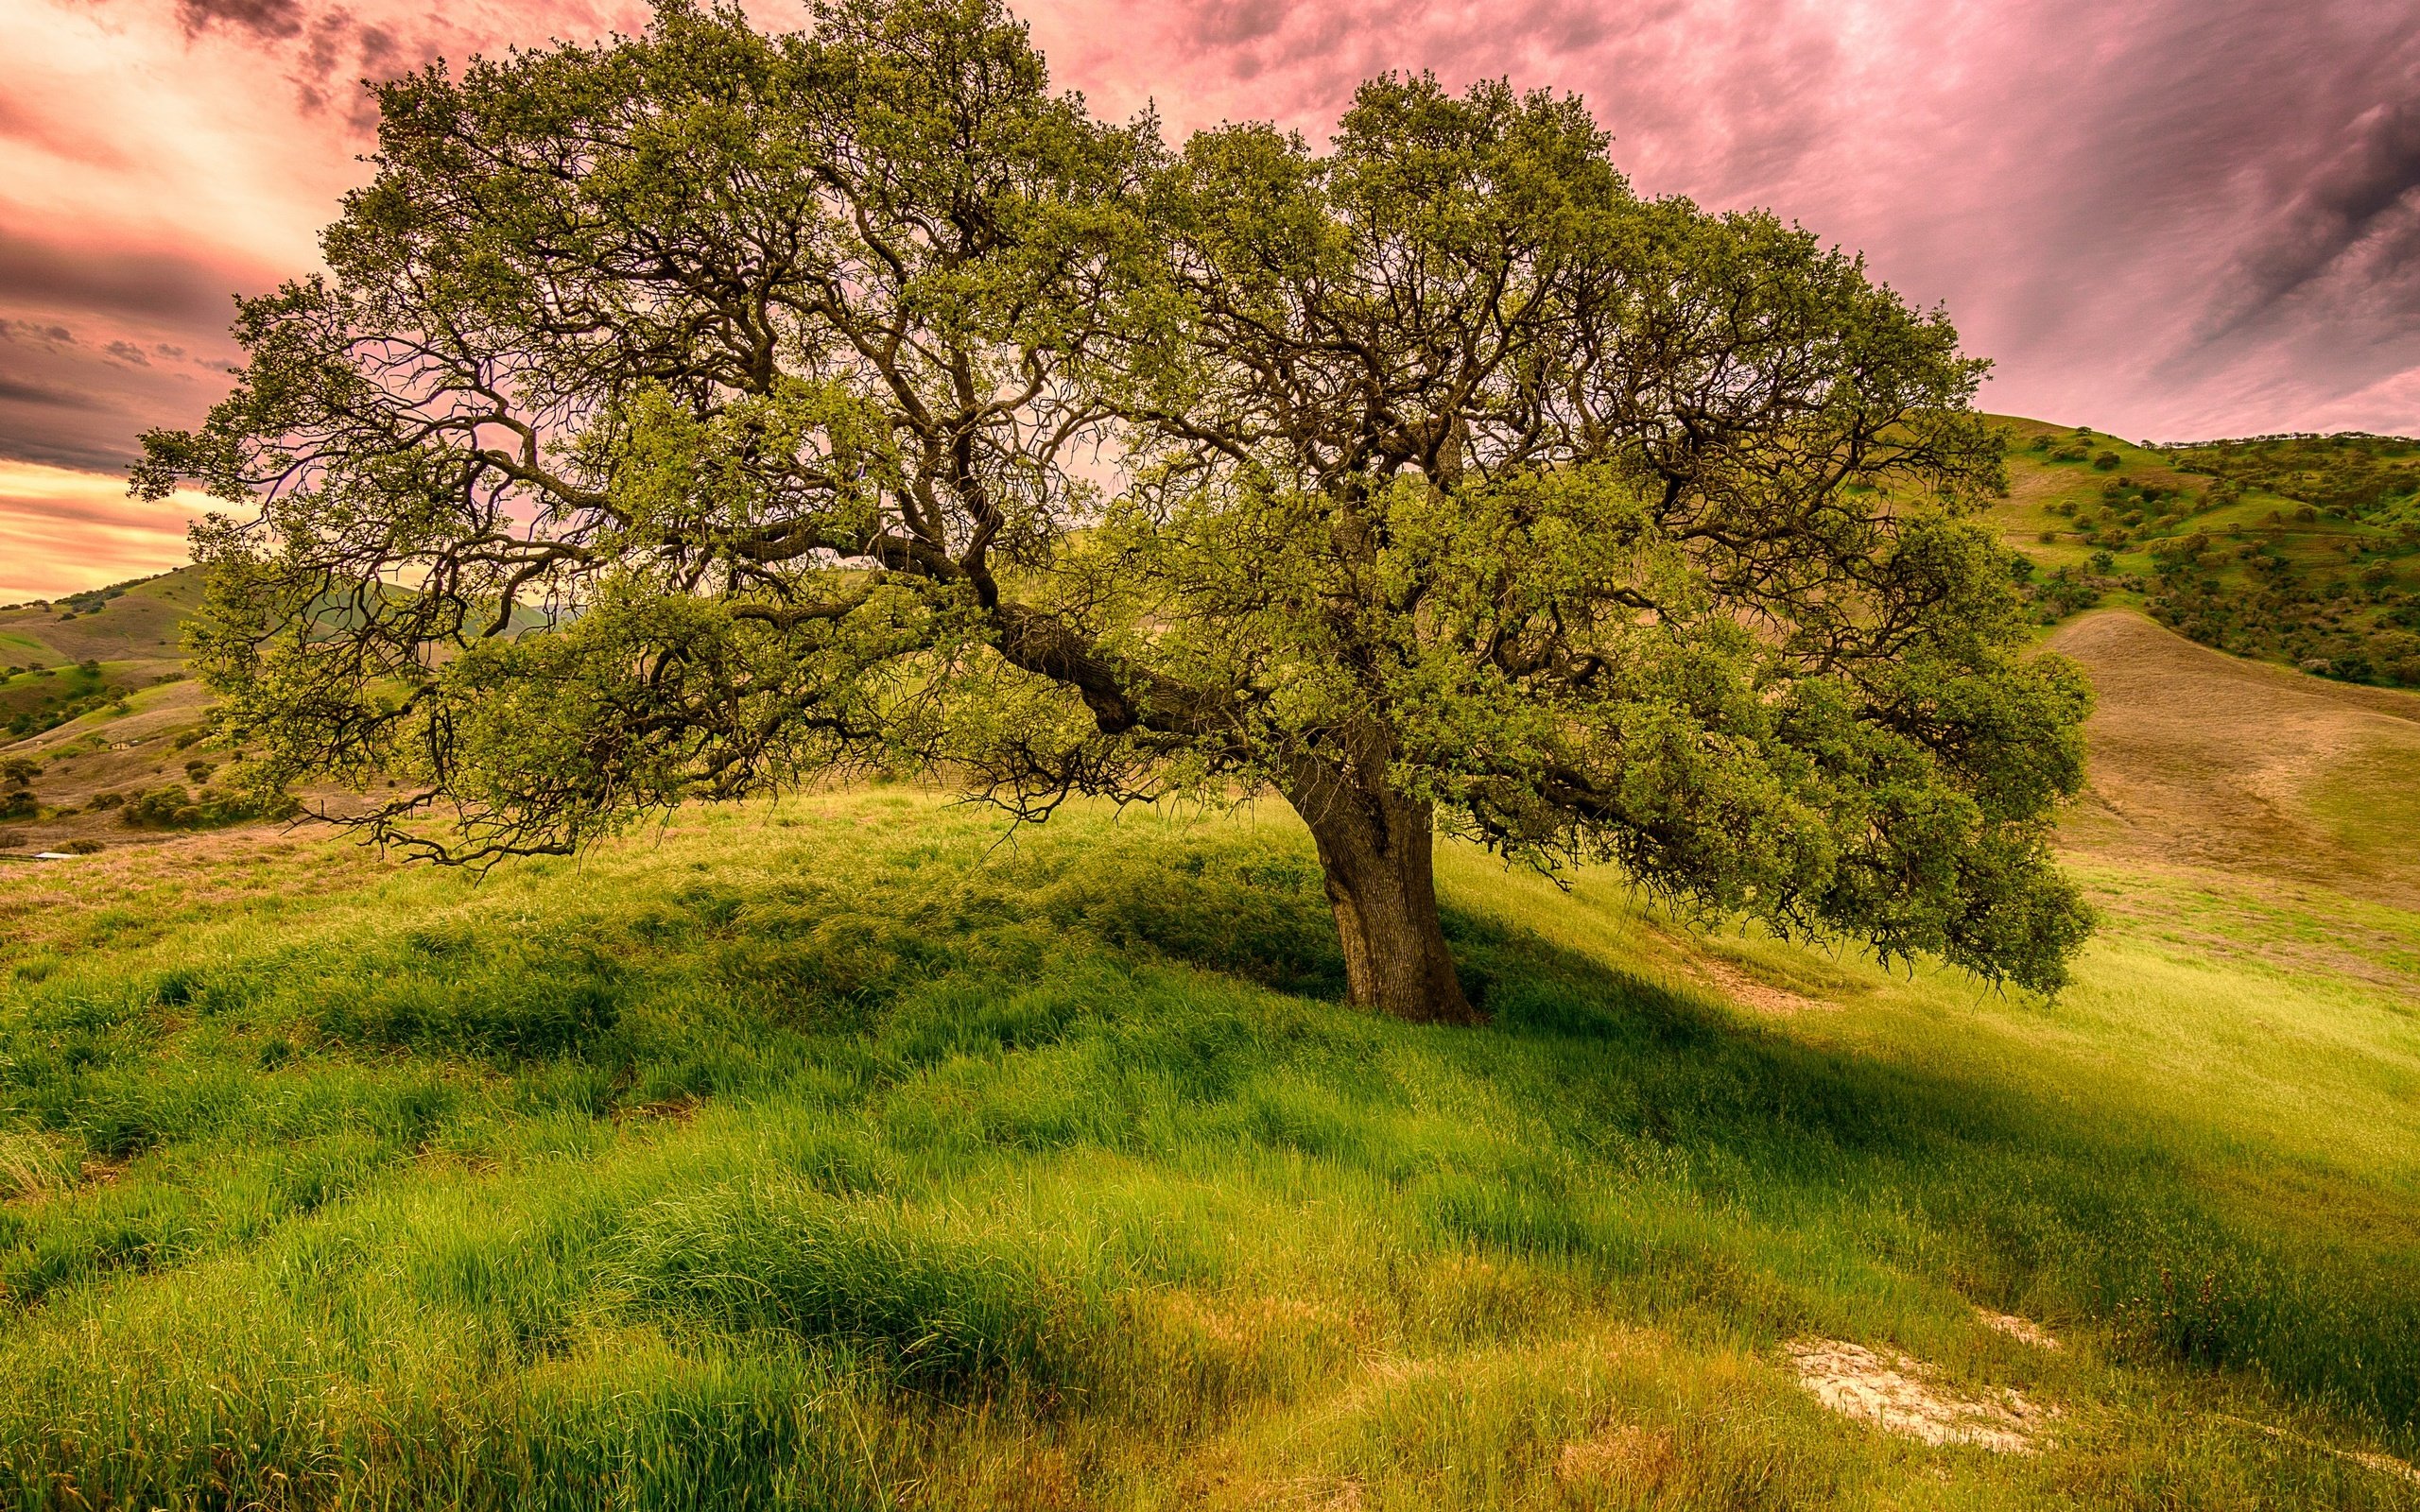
(2205, 761)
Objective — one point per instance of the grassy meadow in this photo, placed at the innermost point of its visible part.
(841, 1153)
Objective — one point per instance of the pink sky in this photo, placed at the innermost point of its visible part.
(2171, 218)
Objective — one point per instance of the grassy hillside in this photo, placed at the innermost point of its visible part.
(134, 621)
(2304, 551)
(93, 699)
(2213, 762)
(835, 1155)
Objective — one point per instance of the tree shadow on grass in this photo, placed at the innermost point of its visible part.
(1982, 1184)
(897, 969)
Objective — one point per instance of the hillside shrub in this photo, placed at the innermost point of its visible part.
(2106, 461)
(2065, 592)
(173, 807)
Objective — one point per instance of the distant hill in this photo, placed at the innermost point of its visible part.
(2300, 550)
(133, 622)
(62, 660)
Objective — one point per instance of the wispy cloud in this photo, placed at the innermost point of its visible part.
(69, 530)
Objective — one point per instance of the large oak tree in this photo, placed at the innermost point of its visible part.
(712, 410)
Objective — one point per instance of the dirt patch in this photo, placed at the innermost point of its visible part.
(35, 1168)
(2286, 927)
(668, 1110)
(1748, 992)
(2383, 1464)
(2022, 1329)
(1893, 1393)
(2367, 1458)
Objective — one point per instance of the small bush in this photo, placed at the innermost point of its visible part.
(2106, 462)
(157, 808)
(173, 807)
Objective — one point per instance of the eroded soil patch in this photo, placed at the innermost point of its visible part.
(1893, 1393)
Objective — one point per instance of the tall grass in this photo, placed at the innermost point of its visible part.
(847, 1159)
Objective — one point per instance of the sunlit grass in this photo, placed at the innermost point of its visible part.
(836, 1155)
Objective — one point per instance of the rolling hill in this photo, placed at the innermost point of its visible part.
(133, 622)
(2211, 760)
(833, 1153)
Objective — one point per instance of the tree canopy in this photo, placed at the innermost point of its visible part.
(712, 410)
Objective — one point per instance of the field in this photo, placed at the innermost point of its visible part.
(844, 1153)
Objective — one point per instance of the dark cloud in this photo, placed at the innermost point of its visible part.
(155, 284)
(266, 19)
(2363, 192)
(52, 335)
(61, 431)
(15, 391)
(82, 403)
(328, 52)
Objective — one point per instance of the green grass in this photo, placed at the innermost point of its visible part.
(841, 1155)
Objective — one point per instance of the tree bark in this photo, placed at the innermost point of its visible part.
(1375, 854)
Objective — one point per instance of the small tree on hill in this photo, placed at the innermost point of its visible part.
(711, 410)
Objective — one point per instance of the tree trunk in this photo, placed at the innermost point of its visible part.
(1374, 851)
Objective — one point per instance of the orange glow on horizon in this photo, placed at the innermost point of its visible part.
(63, 531)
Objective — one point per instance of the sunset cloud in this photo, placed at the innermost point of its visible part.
(2182, 217)
(68, 530)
